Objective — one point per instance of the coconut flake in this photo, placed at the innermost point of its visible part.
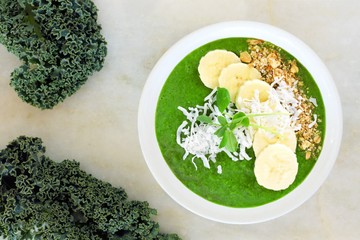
(219, 169)
(313, 101)
(313, 122)
(199, 139)
(291, 103)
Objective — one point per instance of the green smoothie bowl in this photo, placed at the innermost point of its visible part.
(240, 122)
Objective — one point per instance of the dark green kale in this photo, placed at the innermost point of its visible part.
(43, 199)
(59, 42)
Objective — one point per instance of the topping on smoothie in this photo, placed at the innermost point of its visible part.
(212, 63)
(263, 54)
(258, 104)
(276, 167)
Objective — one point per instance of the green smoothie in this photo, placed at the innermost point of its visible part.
(236, 186)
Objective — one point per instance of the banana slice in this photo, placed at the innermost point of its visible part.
(262, 139)
(276, 167)
(234, 75)
(212, 63)
(248, 89)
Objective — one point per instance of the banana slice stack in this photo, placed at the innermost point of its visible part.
(221, 68)
(235, 75)
(212, 64)
(276, 165)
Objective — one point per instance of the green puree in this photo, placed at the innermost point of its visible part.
(236, 186)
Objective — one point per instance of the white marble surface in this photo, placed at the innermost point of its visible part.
(97, 126)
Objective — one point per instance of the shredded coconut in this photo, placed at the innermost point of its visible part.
(199, 139)
(285, 95)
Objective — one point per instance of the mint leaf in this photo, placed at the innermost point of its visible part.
(224, 141)
(239, 115)
(230, 142)
(245, 122)
(239, 119)
(222, 120)
(221, 131)
(222, 99)
(204, 119)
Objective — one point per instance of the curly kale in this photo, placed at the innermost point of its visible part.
(59, 42)
(43, 199)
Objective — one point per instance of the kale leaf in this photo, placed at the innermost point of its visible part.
(43, 199)
(59, 43)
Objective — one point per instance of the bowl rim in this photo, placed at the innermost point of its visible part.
(173, 186)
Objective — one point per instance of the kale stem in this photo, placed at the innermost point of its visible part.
(30, 17)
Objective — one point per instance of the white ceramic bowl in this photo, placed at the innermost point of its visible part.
(163, 174)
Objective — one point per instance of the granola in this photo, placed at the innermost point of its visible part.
(268, 61)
